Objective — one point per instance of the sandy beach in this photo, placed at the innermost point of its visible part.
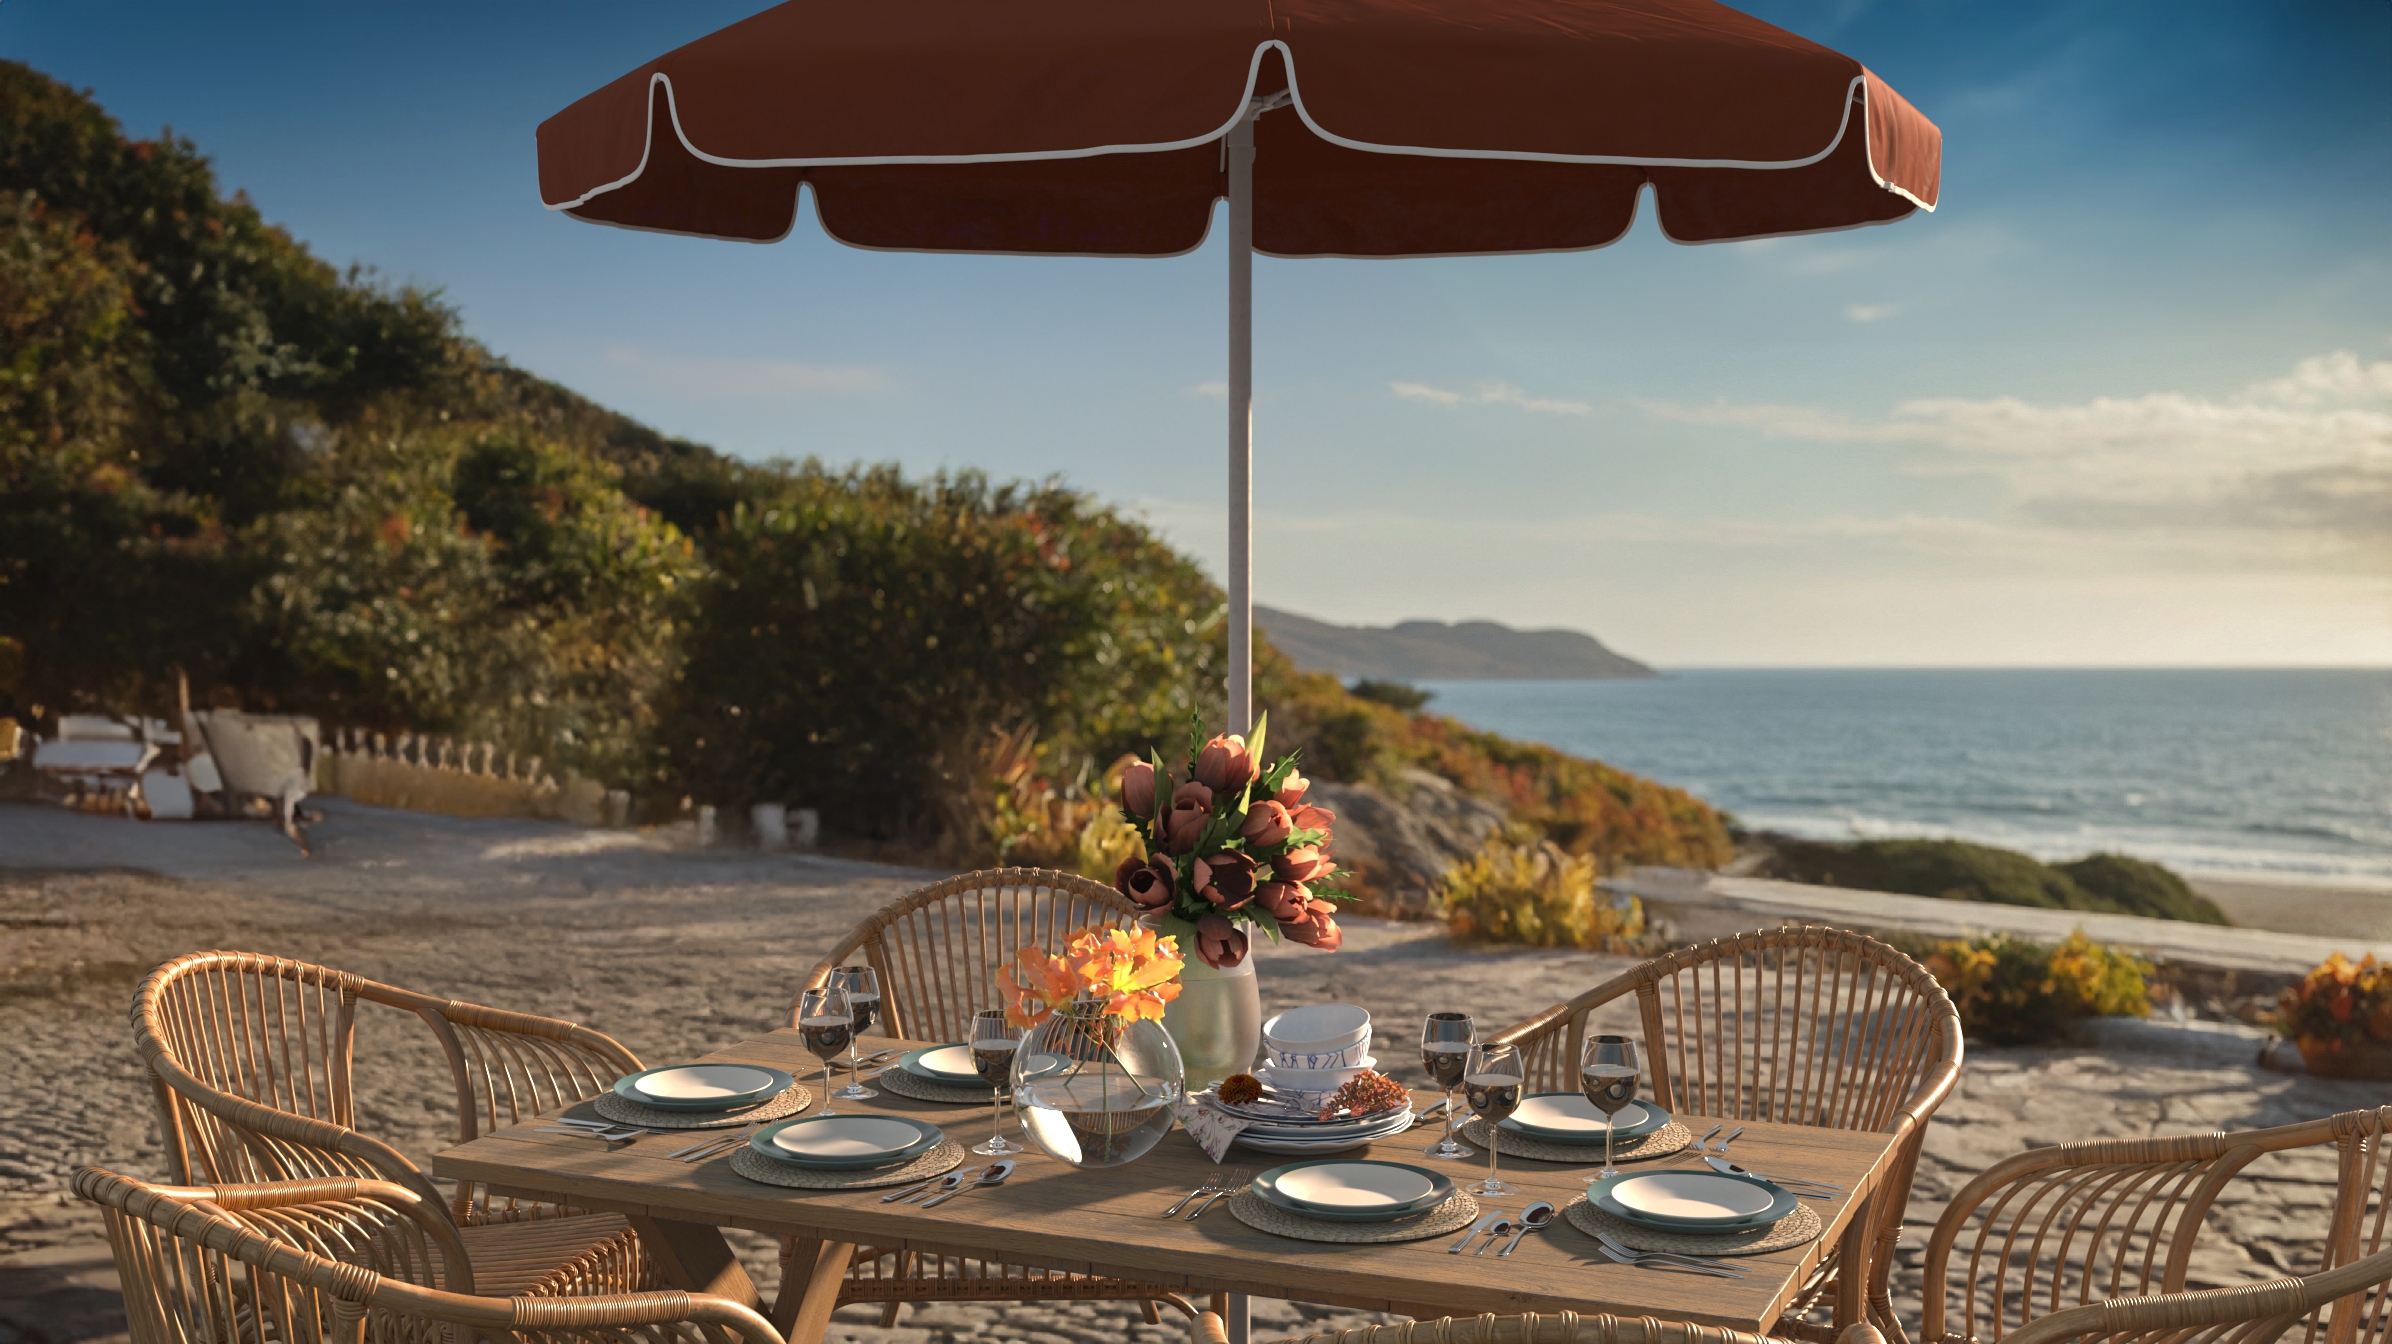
(2295, 907)
(675, 952)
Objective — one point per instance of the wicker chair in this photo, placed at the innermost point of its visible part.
(937, 952)
(338, 1261)
(1806, 1026)
(2096, 1240)
(251, 1057)
(1566, 1327)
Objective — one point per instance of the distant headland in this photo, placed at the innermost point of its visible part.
(1435, 651)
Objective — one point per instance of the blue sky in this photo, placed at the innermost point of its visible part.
(2125, 399)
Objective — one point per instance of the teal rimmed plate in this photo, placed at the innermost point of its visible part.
(703, 1087)
(1690, 1201)
(1568, 1117)
(1346, 1190)
(934, 1063)
(846, 1142)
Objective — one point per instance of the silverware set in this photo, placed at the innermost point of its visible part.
(1621, 1253)
(1485, 1221)
(716, 1144)
(943, 1188)
(990, 1176)
(606, 1130)
(1797, 1185)
(1215, 1186)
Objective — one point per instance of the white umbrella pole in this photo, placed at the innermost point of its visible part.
(1241, 424)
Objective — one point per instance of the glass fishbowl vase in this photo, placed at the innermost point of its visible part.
(1112, 1097)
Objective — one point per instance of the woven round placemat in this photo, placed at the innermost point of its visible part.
(1667, 1141)
(764, 1171)
(1795, 1229)
(1256, 1212)
(615, 1108)
(923, 1089)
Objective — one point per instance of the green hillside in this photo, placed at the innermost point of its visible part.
(310, 490)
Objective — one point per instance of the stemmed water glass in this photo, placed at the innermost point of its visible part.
(1491, 1082)
(994, 1041)
(1607, 1074)
(862, 984)
(1445, 1040)
(826, 1022)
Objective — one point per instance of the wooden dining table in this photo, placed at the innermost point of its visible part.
(1052, 1215)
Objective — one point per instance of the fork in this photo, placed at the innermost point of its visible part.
(1645, 1261)
(1236, 1180)
(1212, 1184)
(611, 1135)
(1626, 1254)
(715, 1145)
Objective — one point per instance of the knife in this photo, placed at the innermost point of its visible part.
(1485, 1220)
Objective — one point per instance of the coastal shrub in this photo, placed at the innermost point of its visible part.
(1536, 894)
(863, 636)
(1956, 870)
(2013, 991)
(2339, 1004)
(2141, 887)
(1400, 695)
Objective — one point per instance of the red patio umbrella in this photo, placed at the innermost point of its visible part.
(1354, 128)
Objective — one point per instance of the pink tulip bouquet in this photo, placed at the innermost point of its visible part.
(1231, 849)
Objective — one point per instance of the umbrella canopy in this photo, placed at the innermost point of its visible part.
(1359, 128)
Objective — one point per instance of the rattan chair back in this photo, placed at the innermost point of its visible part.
(938, 950)
(251, 1057)
(343, 1262)
(1798, 1025)
(2116, 1219)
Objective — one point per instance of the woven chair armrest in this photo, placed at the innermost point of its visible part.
(2285, 1299)
(540, 1314)
(1206, 1328)
(287, 1127)
(316, 1190)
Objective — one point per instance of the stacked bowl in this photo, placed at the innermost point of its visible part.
(1311, 1053)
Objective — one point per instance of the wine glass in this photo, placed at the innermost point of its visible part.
(826, 1022)
(1491, 1083)
(862, 984)
(994, 1041)
(1445, 1040)
(1607, 1074)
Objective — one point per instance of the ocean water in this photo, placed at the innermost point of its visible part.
(2272, 776)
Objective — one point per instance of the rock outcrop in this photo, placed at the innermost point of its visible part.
(1401, 841)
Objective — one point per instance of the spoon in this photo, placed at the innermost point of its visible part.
(936, 1186)
(1494, 1234)
(993, 1176)
(1532, 1218)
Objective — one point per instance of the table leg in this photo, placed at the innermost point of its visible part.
(694, 1257)
(1238, 1321)
(810, 1281)
(1852, 1263)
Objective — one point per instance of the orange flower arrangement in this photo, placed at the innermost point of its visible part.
(2341, 1003)
(1132, 971)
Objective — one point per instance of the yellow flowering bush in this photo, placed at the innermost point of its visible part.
(1132, 971)
(2011, 991)
(2340, 1003)
(1538, 894)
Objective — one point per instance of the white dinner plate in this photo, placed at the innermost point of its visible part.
(1355, 1186)
(699, 1082)
(1564, 1115)
(1692, 1194)
(949, 1061)
(847, 1137)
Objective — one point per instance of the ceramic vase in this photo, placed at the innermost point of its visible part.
(1217, 1018)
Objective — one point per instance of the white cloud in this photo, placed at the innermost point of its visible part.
(749, 379)
(1489, 394)
(2307, 452)
(1871, 312)
(1217, 391)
